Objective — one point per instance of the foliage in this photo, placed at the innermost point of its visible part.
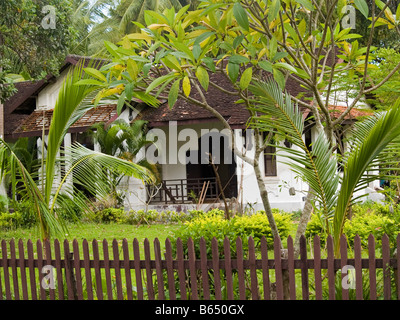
(367, 218)
(22, 36)
(87, 167)
(109, 215)
(214, 225)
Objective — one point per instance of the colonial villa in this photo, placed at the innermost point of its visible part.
(25, 114)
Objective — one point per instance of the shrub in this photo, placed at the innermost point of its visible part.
(110, 215)
(10, 220)
(257, 226)
(213, 224)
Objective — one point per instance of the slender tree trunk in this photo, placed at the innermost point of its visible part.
(304, 218)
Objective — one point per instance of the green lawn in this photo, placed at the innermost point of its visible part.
(90, 231)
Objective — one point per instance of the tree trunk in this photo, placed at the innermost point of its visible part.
(304, 218)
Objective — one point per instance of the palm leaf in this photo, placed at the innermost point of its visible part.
(371, 141)
(276, 112)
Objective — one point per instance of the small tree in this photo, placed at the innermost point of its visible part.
(310, 42)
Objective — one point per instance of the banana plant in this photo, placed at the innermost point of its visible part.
(370, 143)
(84, 166)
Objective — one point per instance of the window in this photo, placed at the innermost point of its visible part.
(269, 159)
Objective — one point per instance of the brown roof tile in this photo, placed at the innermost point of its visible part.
(33, 124)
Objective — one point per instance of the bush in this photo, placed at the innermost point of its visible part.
(257, 226)
(213, 224)
(10, 220)
(110, 215)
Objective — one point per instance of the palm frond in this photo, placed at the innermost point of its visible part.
(276, 112)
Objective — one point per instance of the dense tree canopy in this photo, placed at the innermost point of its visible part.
(35, 36)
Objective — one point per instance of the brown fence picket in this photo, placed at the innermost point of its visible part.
(358, 267)
(88, 271)
(40, 268)
(192, 269)
(291, 272)
(117, 270)
(69, 273)
(215, 262)
(343, 262)
(128, 277)
(159, 272)
(138, 272)
(386, 267)
(13, 264)
(278, 269)
(24, 280)
(47, 250)
(31, 267)
(181, 269)
(97, 272)
(304, 269)
(77, 266)
(60, 282)
(331, 268)
(149, 271)
(265, 268)
(204, 269)
(372, 267)
(228, 269)
(240, 269)
(6, 270)
(107, 270)
(317, 268)
(170, 270)
(253, 271)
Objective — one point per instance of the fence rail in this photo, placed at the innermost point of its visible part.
(238, 269)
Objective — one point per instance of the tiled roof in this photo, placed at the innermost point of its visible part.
(33, 124)
(185, 112)
(354, 113)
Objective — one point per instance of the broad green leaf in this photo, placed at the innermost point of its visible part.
(132, 69)
(246, 78)
(112, 48)
(266, 65)
(306, 4)
(233, 71)
(121, 102)
(273, 10)
(159, 81)
(95, 73)
(173, 93)
(139, 36)
(186, 86)
(273, 46)
(279, 78)
(171, 62)
(279, 56)
(238, 59)
(398, 13)
(284, 65)
(241, 16)
(202, 76)
(89, 81)
(362, 7)
(237, 41)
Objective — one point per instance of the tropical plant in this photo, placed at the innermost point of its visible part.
(123, 140)
(25, 26)
(370, 144)
(84, 165)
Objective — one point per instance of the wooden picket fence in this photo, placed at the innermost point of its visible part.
(252, 270)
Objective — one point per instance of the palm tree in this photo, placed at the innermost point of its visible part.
(86, 14)
(370, 144)
(120, 21)
(86, 166)
(123, 140)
